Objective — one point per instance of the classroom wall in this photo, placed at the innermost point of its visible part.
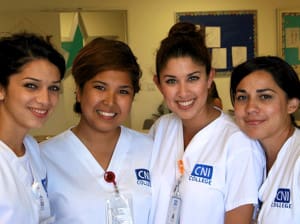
(149, 22)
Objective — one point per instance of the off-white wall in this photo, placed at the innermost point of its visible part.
(149, 22)
(147, 28)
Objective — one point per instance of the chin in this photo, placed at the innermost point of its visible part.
(252, 134)
(37, 124)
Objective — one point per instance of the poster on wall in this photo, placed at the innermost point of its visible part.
(289, 37)
(231, 36)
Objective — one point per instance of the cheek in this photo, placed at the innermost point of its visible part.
(125, 104)
(168, 93)
(55, 99)
(239, 112)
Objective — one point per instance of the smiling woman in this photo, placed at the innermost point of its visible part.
(107, 78)
(265, 94)
(197, 148)
(30, 77)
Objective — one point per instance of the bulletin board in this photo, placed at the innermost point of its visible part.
(289, 37)
(231, 36)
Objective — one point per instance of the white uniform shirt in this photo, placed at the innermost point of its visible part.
(19, 203)
(280, 192)
(76, 187)
(223, 170)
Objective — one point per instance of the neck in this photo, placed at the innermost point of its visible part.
(11, 133)
(100, 144)
(14, 143)
(193, 126)
(273, 146)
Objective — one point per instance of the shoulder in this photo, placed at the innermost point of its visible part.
(235, 139)
(31, 145)
(165, 122)
(297, 137)
(57, 142)
(31, 142)
(136, 136)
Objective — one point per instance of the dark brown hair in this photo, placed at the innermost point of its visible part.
(21, 48)
(184, 40)
(102, 55)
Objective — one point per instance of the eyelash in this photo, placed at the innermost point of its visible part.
(99, 87)
(170, 81)
(190, 79)
(32, 86)
(54, 88)
(261, 97)
(122, 91)
(265, 97)
(193, 78)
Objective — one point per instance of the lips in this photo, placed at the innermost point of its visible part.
(106, 114)
(185, 103)
(253, 122)
(39, 112)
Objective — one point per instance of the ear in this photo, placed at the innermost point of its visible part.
(211, 76)
(157, 82)
(77, 94)
(2, 93)
(293, 105)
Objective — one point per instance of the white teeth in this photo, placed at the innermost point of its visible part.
(39, 111)
(105, 113)
(186, 103)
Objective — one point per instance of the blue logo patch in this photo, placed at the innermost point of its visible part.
(202, 173)
(283, 195)
(201, 170)
(143, 177)
(282, 198)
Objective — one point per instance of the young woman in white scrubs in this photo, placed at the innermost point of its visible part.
(209, 171)
(30, 74)
(107, 77)
(265, 92)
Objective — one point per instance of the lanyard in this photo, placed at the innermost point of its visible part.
(181, 173)
(173, 216)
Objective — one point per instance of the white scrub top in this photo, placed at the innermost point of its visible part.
(76, 187)
(223, 169)
(20, 201)
(280, 192)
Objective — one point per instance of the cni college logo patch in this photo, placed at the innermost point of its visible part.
(143, 177)
(202, 173)
(282, 198)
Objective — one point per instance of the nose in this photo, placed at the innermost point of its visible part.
(252, 106)
(109, 98)
(182, 90)
(43, 97)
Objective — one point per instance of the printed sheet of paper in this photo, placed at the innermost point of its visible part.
(292, 38)
(213, 36)
(239, 55)
(219, 60)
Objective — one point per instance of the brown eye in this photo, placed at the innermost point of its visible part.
(30, 86)
(54, 88)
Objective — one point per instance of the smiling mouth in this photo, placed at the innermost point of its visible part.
(105, 114)
(253, 122)
(185, 103)
(39, 112)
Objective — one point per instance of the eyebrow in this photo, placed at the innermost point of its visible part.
(105, 84)
(190, 74)
(258, 91)
(38, 80)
